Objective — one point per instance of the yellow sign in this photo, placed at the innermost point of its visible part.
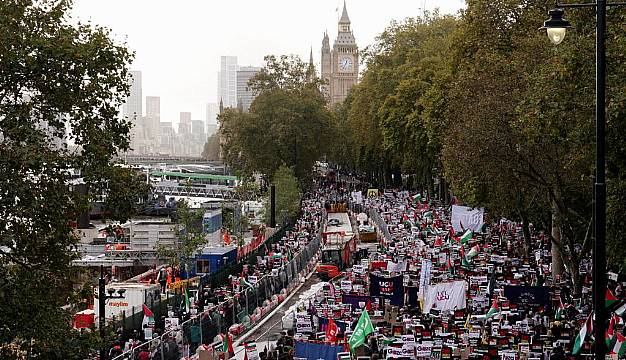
(372, 193)
(179, 284)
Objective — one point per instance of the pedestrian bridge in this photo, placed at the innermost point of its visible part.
(173, 188)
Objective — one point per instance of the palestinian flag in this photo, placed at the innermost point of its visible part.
(187, 302)
(620, 345)
(494, 309)
(227, 344)
(610, 332)
(473, 252)
(609, 298)
(148, 316)
(405, 221)
(453, 237)
(559, 311)
(416, 199)
(467, 236)
(587, 329)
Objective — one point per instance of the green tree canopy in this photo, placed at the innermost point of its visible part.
(288, 122)
(59, 83)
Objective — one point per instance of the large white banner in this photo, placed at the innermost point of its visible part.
(470, 218)
(424, 276)
(445, 296)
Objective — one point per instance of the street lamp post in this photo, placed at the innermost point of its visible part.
(102, 300)
(556, 27)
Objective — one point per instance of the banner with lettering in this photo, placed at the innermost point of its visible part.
(391, 288)
(470, 218)
(357, 301)
(445, 296)
(531, 296)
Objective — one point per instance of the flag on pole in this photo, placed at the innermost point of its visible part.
(331, 330)
(610, 332)
(453, 237)
(467, 236)
(148, 316)
(609, 298)
(494, 309)
(363, 328)
(620, 344)
(428, 214)
(187, 302)
(227, 344)
(582, 335)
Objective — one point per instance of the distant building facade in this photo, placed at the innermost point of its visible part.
(212, 110)
(132, 110)
(340, 66)
(227, 81)
(245, 95)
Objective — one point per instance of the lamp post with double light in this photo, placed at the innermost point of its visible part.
(556, 28)
(102, 301)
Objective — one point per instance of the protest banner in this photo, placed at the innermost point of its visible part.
(390, 288)
(425, 275)
(445, 296)
(423, 349)
(472, 219)
(310, 350)
(303, 323)
(533, 296)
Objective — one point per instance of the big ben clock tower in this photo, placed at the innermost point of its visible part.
(340, 67)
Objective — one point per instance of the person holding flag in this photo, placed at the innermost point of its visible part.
(331, 331)
(363, 328)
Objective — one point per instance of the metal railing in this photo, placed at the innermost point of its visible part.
(236, 313)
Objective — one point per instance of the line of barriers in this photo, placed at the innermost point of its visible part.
(236, 314)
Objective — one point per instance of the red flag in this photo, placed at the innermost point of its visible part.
(331, 331)
(438, 241)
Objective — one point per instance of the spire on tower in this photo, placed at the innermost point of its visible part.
(310, 72)
(344, 15)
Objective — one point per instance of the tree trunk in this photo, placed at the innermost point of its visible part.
(557, 261)
(527, 237)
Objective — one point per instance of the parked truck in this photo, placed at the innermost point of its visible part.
(338, 245)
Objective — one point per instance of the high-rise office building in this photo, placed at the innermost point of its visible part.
(245, 95)
(227, 81)
(197, 127)
(184, 126)
(133, 104)
(153, 117)
(166, 138)
(212, 110)
(132, 110)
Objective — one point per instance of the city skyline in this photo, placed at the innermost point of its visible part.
(180, 61)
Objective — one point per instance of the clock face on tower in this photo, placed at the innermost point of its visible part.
(345, 63)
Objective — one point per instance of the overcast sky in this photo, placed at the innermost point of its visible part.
(178, 42)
